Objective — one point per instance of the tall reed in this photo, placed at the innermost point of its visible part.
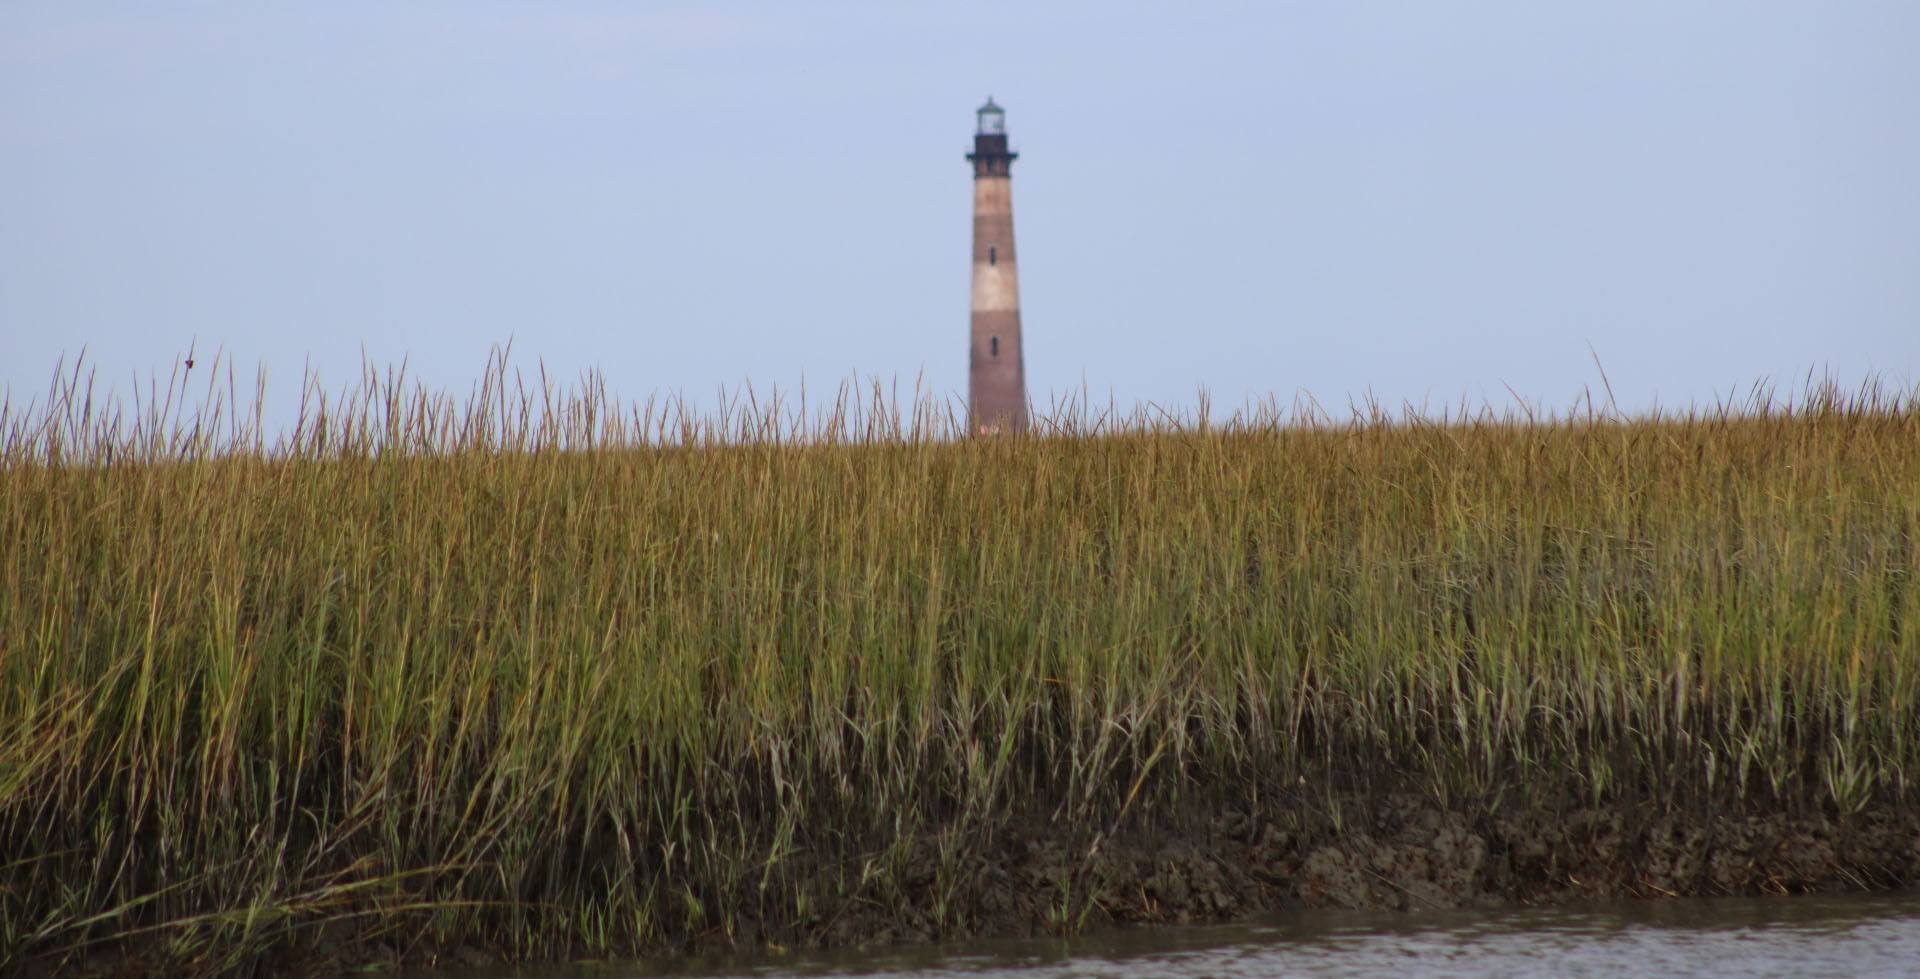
(548, 671)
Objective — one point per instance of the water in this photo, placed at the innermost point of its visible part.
(1865, 935)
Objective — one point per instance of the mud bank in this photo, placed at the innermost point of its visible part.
(1213, 861)
(1397, 854)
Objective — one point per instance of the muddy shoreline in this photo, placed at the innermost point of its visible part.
(1204, 862)
(1403, 854)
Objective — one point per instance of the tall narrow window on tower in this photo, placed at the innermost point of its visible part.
(996, 379)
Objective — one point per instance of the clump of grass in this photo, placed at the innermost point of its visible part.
(549, 672)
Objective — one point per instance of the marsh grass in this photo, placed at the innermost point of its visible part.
(558, 675)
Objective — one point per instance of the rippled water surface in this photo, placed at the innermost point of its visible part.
(1877, 935)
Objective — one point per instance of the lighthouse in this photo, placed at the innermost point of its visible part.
(996, 369)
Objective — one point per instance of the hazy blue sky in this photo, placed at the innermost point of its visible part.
(1420, 199)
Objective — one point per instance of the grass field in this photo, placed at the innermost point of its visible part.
(559, 675)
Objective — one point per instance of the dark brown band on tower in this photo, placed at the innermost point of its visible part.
(1003, 323)
(993, 231)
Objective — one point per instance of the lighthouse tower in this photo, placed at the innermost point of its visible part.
(996, 370)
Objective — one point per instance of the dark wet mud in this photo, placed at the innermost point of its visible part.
(1401, 855)
(1209, 862)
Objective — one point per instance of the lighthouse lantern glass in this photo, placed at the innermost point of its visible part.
(993, 119)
